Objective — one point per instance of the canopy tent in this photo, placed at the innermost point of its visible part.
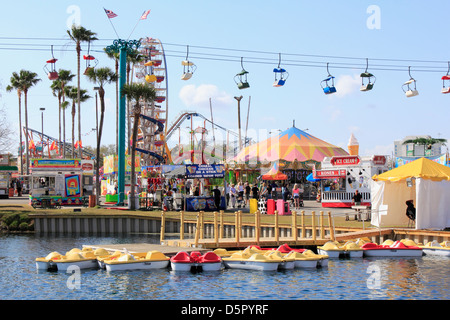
(425, 182)
(290, 145)
(274, 174)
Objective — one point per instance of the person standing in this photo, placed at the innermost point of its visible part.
(247, 191)
(255, 191)
(296, 195)
(233, 195)
(217, 197)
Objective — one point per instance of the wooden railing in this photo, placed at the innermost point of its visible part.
(316, 230)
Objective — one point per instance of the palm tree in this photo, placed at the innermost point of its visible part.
(116, 56)
(100, 77)
(16, 85)
(58, 85)
(79, 34)
(427, 142)
(75, 95)
(26, 80)
(64, 106)
(136, 92)
(133, 57)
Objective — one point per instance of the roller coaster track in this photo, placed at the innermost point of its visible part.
(50, 140)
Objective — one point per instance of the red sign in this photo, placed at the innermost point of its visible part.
(87, 167)
(325, 174)
(379, 160)
(345, 161)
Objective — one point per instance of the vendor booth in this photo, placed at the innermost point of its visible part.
(57, 182)
(204, 171)
(6, 171)
(110, 173)
(341, 176)
(423, 181)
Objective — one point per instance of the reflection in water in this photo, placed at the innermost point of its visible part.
(368, 278)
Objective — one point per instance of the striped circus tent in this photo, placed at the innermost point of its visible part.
(290, 145)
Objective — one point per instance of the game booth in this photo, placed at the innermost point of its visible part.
(275, 202)
(341, 176)
(204, 172)
(60, 182)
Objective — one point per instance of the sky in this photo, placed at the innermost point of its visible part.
(395, 36)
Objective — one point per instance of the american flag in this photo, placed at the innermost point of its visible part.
(145, 14)
(110, 14)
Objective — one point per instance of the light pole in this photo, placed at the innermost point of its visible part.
(42, 130)
(239, 120)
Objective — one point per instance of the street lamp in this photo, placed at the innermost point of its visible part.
(239, 120)
(42, 130)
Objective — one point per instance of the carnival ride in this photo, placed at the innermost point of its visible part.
(409, 87)
(151, 142)
(52, 74)
(49, 147)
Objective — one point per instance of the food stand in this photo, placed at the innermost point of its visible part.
(204, 171)
(6, 171)
(58, 182)
(341, 176)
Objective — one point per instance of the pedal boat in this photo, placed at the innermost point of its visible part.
(49, 262)
(287, 262)
(435, 248)
(349, 250)
(390, 248)
(250, 260)
(308, 259)
(137, 261)
(183, 261)
(83, 259)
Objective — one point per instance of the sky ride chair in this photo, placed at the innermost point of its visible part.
(327, 87)
(51, 73)
(241, 78)
(367, 75)
(446, 86)
(281, 74)
(188, 67)
(409, 87)
(89, 59)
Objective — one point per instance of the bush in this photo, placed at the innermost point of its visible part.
(24, 226)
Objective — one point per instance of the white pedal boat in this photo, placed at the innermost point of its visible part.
(137, 261)
(308, 259)
(251, 259)
(48, 262)
(287, 262)
(435, 248)
(392, 249)
(349, 250)
(83, 259)
(183, 261)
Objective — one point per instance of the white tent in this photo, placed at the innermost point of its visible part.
(428, 187)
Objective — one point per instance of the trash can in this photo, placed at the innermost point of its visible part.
(92, 201)
(11, 192)
(283, 207)
(253, 205)
(270, 206)
(136, 201)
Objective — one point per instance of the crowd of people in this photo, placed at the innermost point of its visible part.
(239, 195)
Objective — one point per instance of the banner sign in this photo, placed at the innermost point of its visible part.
(345, 160)
(55, 164)
(330, 174)
(205, 171)
(441, 159)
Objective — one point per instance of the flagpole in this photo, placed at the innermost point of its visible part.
(112, 25)
(134, 28)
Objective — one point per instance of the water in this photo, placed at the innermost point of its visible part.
(424, 278)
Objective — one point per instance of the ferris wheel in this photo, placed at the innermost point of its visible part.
(152, 130)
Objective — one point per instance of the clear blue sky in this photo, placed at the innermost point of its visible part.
(404, 33)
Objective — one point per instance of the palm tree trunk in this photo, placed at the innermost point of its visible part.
(59, 117)
(133, 160)
(64, 135)
(79, 96)
(20, 131)
(73, 129)
(100, 130)
(27, 157)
